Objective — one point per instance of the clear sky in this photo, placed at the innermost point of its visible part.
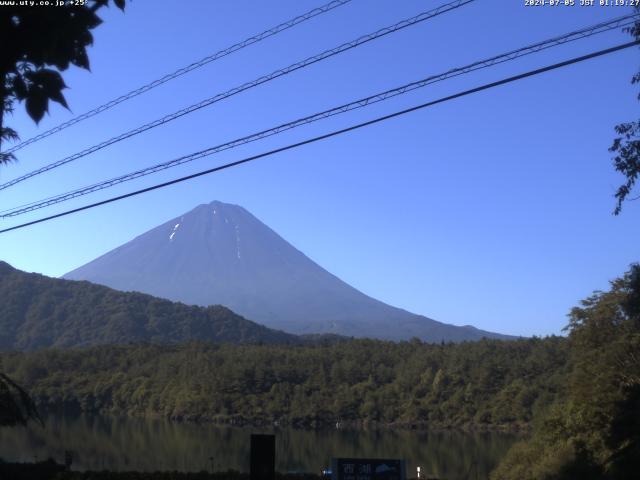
(493, 210)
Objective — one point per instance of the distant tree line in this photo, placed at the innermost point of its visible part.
(486, 384)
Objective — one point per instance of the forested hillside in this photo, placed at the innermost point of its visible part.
(38, 311)
(491, 383)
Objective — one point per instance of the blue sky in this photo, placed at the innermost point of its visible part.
(492, 210)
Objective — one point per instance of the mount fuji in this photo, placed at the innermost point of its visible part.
(220, 253)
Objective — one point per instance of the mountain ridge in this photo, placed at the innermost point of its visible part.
(40, 312)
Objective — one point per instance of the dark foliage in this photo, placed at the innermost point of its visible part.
(593, 431)
(47, 470)
(37, 44)
(16, 407)
(38, 311)
(627, 145)
(485, 384)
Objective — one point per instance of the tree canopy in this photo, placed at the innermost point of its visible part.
(593, 431)
(485, 384)
(38, 43)
(16, 407)
(626, 146)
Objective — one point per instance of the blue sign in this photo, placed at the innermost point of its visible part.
(367, 469)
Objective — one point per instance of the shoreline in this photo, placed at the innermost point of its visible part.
(309, 425)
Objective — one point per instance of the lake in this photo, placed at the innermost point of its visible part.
(122, 443)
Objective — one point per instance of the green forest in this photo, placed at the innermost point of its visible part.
(491, 383)
(577, 397)
(38, 312)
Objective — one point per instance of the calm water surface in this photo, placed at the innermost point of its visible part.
(116, 443)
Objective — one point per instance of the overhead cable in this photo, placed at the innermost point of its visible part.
(186, 69)
(246, 86)
(334, 133)
(360, 103)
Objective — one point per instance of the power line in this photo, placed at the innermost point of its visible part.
(234, 91)
(361, 103)
(181, 71)
(486, 86)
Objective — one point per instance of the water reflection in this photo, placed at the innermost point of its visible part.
(117, 443)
